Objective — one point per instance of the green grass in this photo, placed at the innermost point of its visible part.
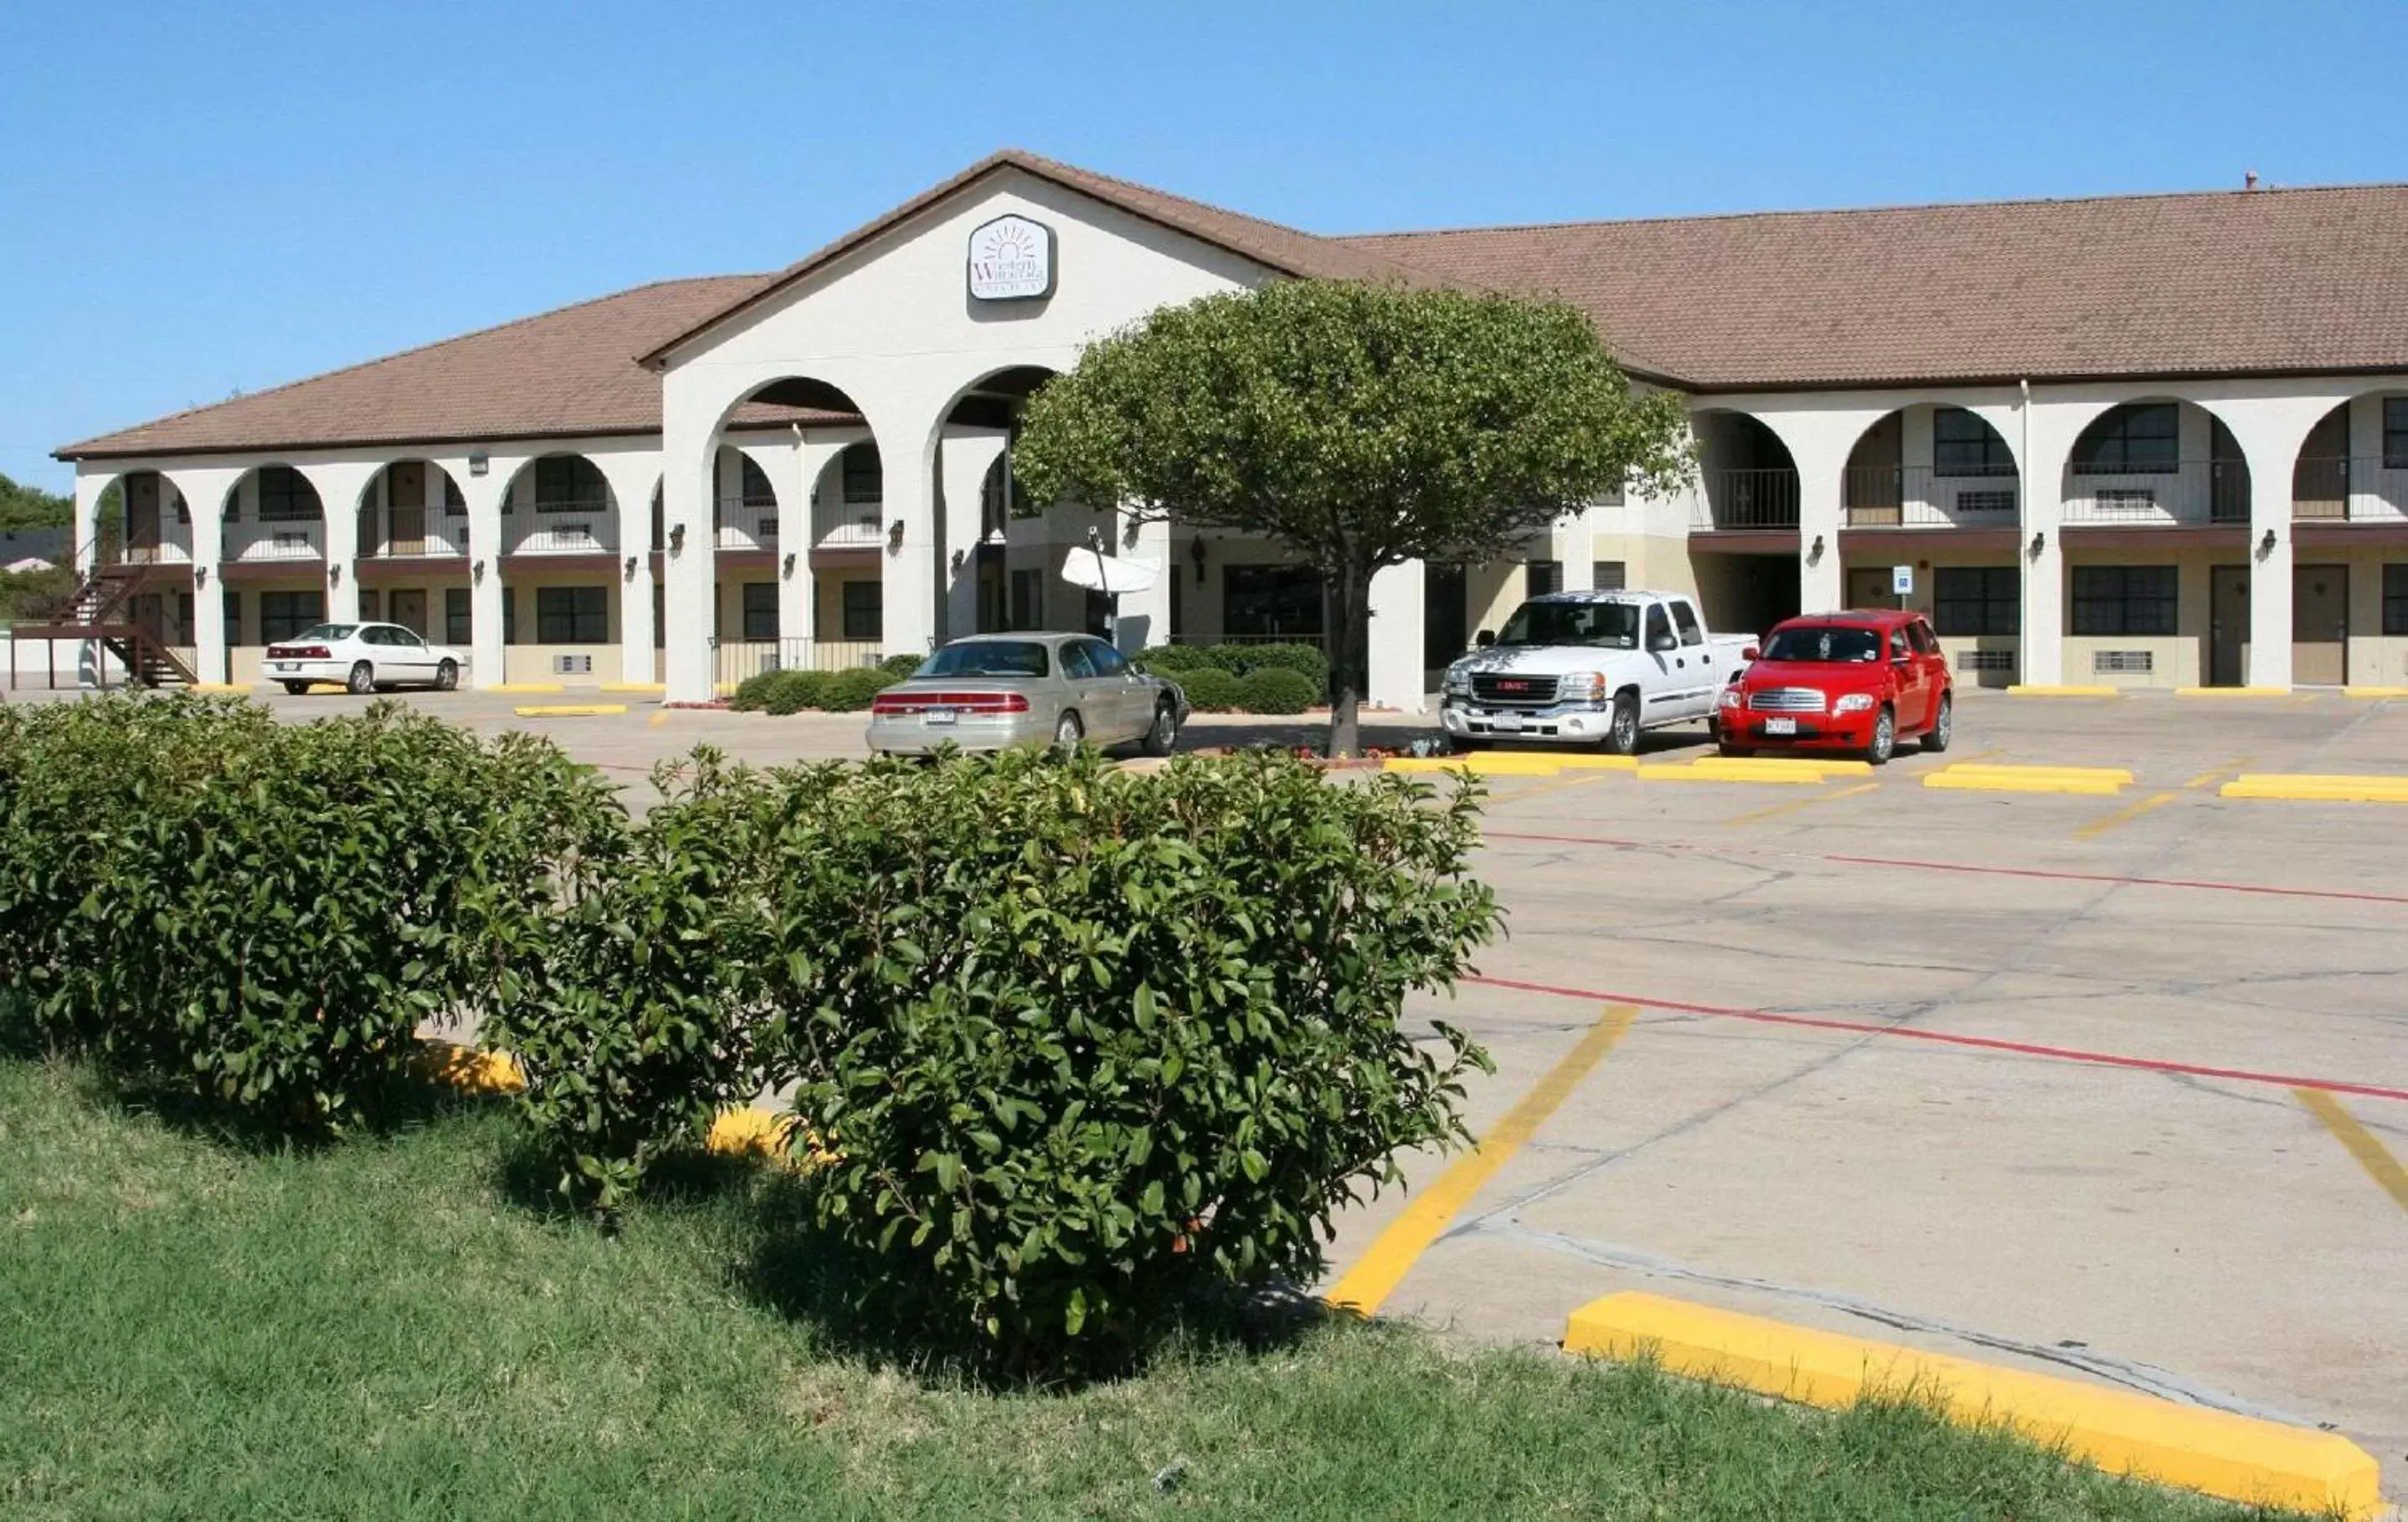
(189, 1329)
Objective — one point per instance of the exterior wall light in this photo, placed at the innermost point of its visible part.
(2040, 542)
(2266, 545)
(1815, 553)
(959, 557)
(630, 572)
(1196, 556)
(480, 464)
(789, 568)
(335, 574)
(894, 535)
(200, 576)
(677, 538)
(479, 570)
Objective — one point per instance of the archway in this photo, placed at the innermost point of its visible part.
(1749, 476)
(413, 552)
(1931, 467)
(991, 578)
(2156, 460)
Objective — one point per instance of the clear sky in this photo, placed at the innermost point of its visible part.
(203, 196)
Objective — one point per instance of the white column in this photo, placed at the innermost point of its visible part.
(799, 487)
(630, 478)
(910, 567)
(340, 485)
(1145, 616)
(91, 483)
(1395, 653)
(484, 494)
(690, 565)
(205, 495)
(2270, 559)
(962, 459)
(1576, 552)
(1820, 585)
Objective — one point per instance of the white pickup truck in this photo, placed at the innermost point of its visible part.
(1591, 668)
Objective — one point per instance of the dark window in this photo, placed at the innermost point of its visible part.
(754, 483)
(2140, 439)
(572, 615)
(1271, 600)
(2124, 599)
(234, 618)
(183, 631)
(1107, 661)
(1977, 599)
(1964, 445)
(865, 609)
(569, 483)
(1028, 599)
(760, 609)
(988, 658)
(2395, 599)
(1824, 642)
(1609, 575)
(1918, 634)
(285, 495)
(454, 503)
(457, 629)
(284, 614)
(509, 615)
(2395, 433)
(1076, 663)
(1685, 618)
(1100, 613)
(1545, 576)
(1659, 633)
(865, 477)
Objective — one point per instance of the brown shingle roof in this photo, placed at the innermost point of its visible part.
(2252, 282)
(566, 373)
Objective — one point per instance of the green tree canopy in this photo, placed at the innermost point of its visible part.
(30, 507)
(1360, 425)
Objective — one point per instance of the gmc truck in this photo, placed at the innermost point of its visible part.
(1591, 668)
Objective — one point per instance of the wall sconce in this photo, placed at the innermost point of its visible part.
(2040, 542)
(894, 535)
(677, 538)
(200, 576)
(959, 557)
(2266, 545)
(480, 464)
(1196, 556)
(630, 572)
(789, 570)
(479, 571)
(335, 574)
(1817, 553)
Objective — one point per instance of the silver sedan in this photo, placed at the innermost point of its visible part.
(995, 690)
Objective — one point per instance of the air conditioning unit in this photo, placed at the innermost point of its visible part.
(1986, 660)
(2126, 663)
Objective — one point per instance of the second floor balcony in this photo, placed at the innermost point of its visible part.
(848, 525)
(746, 525)
(561, 531)
(1747, 501)
(2369, 489)
(1921, 497)
(253, 540)
(2183, 493)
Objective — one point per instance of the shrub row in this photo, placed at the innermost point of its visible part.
(847, 691)
(1240, 660)
(1271, 689)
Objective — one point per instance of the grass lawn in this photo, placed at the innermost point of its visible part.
(192, 1330)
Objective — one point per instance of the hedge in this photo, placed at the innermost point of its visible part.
(1211, 689)
(849, 690)
(1276, 689)
(1238, 660)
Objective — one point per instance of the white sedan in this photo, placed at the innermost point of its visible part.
(362, 657)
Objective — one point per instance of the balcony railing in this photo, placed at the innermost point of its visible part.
(848, 525)
(1748, 499)
(170, 544)
(2189, 491)
(747, 525)
(438, 538)
(1919, 496)
(2360, 490)
(553, 532)
(276, 539)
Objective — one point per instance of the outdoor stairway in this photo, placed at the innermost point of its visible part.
(99, 612)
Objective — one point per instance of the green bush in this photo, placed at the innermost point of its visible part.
(901, 667)
(1275, 689)
(849, 691)
(1082, 1040)
(1210, 689)
(1229, 659)
(633, 1011)
(1307, 660)
(1170, 659)
(751, 694)
(794, 691)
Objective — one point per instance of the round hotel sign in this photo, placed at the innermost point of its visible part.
(1012, 259)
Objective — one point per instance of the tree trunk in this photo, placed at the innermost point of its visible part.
(1350, 636)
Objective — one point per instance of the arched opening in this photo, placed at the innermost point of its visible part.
(273, 513)
(143, 520)
(272, 565)
(1931, 467)
(2353, 465)
(993, 576)
(1744, 532)
(2157, 460)
(413, 541)
(559, 505)
(793, 566)
(561, 593)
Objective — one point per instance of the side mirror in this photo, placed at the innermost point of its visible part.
(1751, 652)
(1484, 638)
(1663, 643)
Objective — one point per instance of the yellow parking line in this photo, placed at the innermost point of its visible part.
(1376, 1275)
(660, 718)
(1796, 804)
(2206, 776)
(2124, 815)
(2380, 1166)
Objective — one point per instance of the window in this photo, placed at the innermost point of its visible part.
(1821, 642)
(2395, 433)
(572, 615)
(1685, 618)
(2124, 599)
(760, 609)
(1075, 662)
(1270, 601)
(1964, 445)
(1100, 613)
(865, 476)
(456, 615)
(234, 618)
(183, 619)
(753, 482)
(1028, 599)
(285, 495)
(284, 614)
(865, 609)
(1659, 631)
(568, 483)
(509, 615)
(1542, 577)
(1918, 634)
(454, 503)
(2395, 599)
(988, 658)
(1609, 575)
(2133, 440)
(1607, 626)
(1107, 661)
(1977, 599)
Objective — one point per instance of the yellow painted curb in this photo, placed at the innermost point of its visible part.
(226, 686)
(471, 1070)
(2233, 692)
(1785, 763)
(2064, 692)
(2309, 788)
(1707, 771)
(635, 687)
(568, 710)
(525, 688)
(2036, 783)
(2002, 769)
(1592, 761)
(2374, 691)
(2240, 1458)
(1486, 762)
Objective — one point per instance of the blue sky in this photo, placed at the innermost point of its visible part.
(203, 196)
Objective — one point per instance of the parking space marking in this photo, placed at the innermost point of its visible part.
(2124, 815)
(1383, 1266)
(1945, 1037)
(2380, 1166)
(1796, 804)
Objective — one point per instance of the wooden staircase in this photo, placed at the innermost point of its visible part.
(99, 610)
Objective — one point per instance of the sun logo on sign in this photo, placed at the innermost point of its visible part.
(1013, 240)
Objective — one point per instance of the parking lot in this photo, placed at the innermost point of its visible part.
(2115, 1085)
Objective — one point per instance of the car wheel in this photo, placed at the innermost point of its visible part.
(297, 688)
(1884, 737)
(363, 678)
(447, 676)
(1943, 727)
(1068, 732)
(1164, 732)
(1623, 738)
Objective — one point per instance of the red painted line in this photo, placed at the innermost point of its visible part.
(2204, 884)
(2061, 1053)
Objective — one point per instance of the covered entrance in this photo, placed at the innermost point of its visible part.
(2319, 626)
(1872, 586)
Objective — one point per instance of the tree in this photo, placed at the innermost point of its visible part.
(1360, 425)
(30, 507)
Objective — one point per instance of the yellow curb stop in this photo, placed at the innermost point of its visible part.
(2374, 691)
(635, 687)
(525, 688)
(2240, 1457)
(568, 710)
(2045, 691)
(2233, 692)
(2307, 787)
(1974, 777)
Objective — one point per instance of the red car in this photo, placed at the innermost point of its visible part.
(1853, 681)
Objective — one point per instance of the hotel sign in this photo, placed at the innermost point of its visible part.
(1012, 259)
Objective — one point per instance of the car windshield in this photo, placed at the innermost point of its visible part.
(327, 631)
(986, 658)
(1611, 625)
(1824, 643)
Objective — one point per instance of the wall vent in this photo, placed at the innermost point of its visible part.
(2109, 663)
(572, 665)
(1986, 660)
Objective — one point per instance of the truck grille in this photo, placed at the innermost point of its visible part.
(1786, 700)
(1504, 691)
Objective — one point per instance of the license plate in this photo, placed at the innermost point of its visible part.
(1506, 724)
(939, 715)
(287, 666)
(1781, 726)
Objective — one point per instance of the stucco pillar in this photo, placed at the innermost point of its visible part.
(963, 460)
(2042, 438)
(690, 562)
(1395, 653)
(205, 493)
(1821, 587)
(631, 477)
(1145, 616)
(89, 488)
(340, 485)
(910, 567)
(484, 494)
(799, 519)
(1576, 552)
(2270, 431)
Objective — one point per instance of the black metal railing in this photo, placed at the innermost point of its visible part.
(1748, 499)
